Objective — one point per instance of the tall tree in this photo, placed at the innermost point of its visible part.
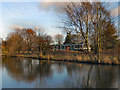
(13, 43)
(68, 39)
(109, 37)
(59, 39)
(73, 38)
(89, 19)
(40, 42)
(79, 17)
(29, 38)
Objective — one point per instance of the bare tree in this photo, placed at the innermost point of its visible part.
(28, 39)
(79, 18)
(88, 19)
(43, 40)
(39, 40)
(59, 39)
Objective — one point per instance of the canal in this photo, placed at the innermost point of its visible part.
(30, 73)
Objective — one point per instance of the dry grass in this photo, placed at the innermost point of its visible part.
(73, 56)
(80, 56)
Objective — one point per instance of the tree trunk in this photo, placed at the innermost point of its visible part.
(99, 34)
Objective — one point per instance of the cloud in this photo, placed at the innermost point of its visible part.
(115, 12)
(59, 6)
(56, 6)
(16, 27)
(59, 0)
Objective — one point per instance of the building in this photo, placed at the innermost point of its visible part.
(75, 47)
(1, 45)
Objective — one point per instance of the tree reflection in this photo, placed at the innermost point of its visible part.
(71, 75)
(91, 76)
(119, 77)
(26, 69)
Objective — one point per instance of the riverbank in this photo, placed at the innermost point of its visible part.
(71, 57)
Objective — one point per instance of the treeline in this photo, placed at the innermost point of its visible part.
(27, 40)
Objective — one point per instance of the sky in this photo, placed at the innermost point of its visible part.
(27, 14)
(32, 13)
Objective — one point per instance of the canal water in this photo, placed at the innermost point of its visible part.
(30, 73)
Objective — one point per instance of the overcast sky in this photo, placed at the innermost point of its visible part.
(31, 14)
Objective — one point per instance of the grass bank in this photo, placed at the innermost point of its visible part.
(73, 56)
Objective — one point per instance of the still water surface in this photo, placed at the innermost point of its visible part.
(29, 73)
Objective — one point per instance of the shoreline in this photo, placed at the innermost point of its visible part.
(65, 60)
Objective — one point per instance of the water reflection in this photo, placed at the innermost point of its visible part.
(0, 72)
(92, 76)
(26, 69)
(58, 74)
(119, 77)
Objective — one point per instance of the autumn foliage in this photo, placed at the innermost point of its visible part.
(26, 41)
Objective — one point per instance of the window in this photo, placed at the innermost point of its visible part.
(76, 46)
(72, 47)
(62, 47)
(80, 46)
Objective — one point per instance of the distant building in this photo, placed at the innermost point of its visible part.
(76, 47)
(1, 40)
(1, 45)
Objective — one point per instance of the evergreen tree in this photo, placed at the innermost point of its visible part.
(109, 37)
(68, 39)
